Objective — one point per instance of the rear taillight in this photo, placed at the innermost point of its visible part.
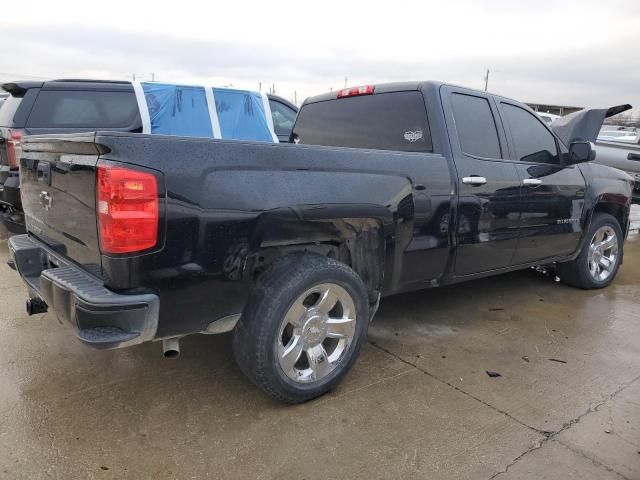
(14, 150)
(355, 91)
(127, 204)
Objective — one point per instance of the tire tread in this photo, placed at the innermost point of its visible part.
(576, 272)
(251, 338)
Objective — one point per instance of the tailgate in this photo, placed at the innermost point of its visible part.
(58, 184)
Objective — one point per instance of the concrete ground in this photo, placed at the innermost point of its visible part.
(418, 404)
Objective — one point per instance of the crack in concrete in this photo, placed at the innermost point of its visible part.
(426, 372)
(593, 460)
(519, 457)
(548, 435)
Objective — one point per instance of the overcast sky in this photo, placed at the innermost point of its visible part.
(571, 52)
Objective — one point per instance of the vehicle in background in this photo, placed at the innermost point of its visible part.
(283, 113)
(548, 118)
(587, 125)
(613, 133)
(623, 155)
(69, 106)
(134, 238)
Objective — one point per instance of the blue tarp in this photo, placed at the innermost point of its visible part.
(184, 110)
(242, 115)
(178, 110)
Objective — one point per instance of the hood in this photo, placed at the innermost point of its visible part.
(584, 125)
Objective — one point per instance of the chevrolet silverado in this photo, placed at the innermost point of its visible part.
(384, 189)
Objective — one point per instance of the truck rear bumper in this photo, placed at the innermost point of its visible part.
(100, 317)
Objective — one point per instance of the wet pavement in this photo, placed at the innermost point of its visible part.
(418, 404)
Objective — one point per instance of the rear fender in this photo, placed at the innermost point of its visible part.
(354, 234)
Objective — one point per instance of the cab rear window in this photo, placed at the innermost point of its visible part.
(389, 121)
(83, 109)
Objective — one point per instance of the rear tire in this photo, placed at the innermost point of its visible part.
(600, 258)
(303, 327)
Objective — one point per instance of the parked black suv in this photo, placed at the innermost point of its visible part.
(70, 106)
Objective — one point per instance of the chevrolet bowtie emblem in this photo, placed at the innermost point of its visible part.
(45, 200)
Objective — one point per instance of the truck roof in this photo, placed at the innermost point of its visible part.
(379, 88)
(403, 86)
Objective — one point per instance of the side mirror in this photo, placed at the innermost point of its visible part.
(579, 152)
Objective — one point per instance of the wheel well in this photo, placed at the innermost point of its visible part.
(617, 211)
(356, 242)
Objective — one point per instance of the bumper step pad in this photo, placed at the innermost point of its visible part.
(105, 335)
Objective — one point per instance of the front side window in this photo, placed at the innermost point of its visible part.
(533, 142)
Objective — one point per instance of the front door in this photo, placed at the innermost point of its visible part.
(552, 199)
(488, 183)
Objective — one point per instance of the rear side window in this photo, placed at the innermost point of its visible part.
(388, 121)
(533, 142)
(83, 109)
(476, 126)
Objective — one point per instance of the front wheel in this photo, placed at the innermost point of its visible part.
(303, 327)
(601, 255)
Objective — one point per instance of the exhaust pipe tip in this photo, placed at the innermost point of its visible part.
(171, 348)
(171, 353)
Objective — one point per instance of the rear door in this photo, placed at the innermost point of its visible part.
(488, 211)
(552, 195)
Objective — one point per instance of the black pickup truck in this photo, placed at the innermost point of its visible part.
(388, 188)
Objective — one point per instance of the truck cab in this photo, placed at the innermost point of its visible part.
(510, 197)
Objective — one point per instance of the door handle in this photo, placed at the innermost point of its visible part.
(532, 181)
(474, 180)
(633, 156)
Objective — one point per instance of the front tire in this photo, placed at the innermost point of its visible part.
(302, 328)
(600, 258)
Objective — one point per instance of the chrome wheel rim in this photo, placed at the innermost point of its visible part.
(603, 253)
(316, 333)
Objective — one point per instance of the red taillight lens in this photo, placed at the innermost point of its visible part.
(13, 148)
(127, 204)
(355, 91)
